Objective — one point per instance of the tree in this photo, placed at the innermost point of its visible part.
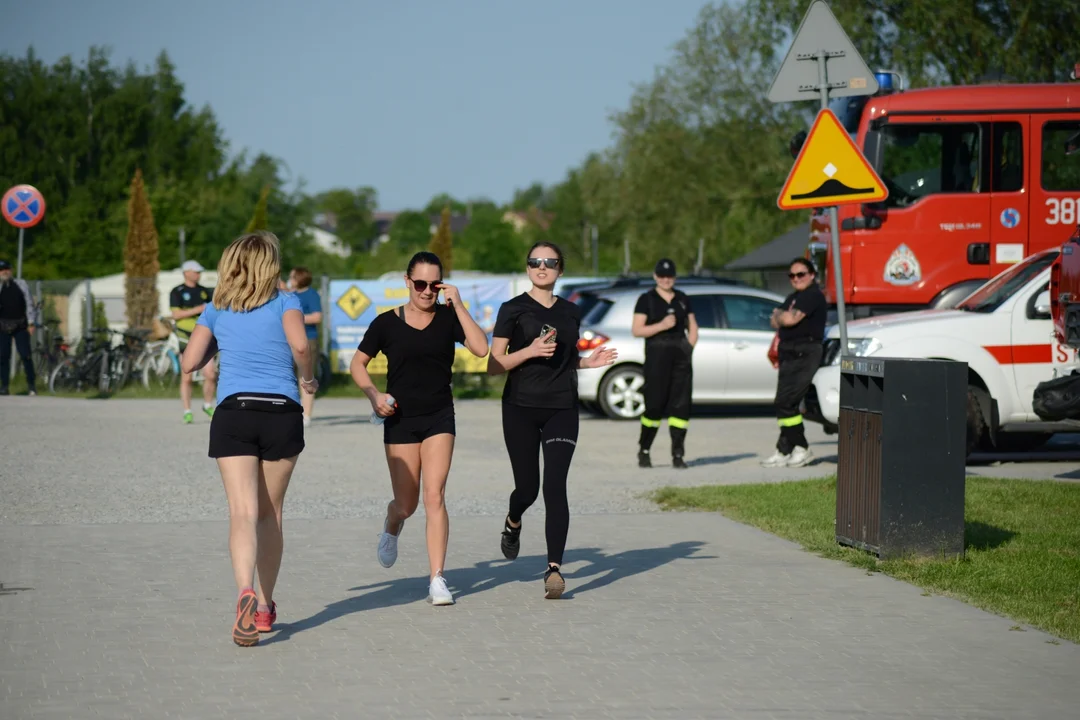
(140, 260)
(353, 212)
(410, 232)
(258, 220)
(492, 243)
(442, 242)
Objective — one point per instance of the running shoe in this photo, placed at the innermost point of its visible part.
(264, 621)
(209, 410)
(777, 459)
(244, 632)
(800, 457)
(511, 540)
(554, 584)
(438, 592)
(388, 545)
(188, 417)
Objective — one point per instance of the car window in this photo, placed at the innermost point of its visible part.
(746, 312)
(597, 313)
(704, 309)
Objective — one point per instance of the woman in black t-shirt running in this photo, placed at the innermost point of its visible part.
(418, 341)
(535, 342)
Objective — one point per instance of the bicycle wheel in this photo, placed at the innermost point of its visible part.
(64, 377)
(119, 370)
(162, 370)
(103, 365)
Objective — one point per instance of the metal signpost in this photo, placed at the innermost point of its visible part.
(22, 206)
(822, 50)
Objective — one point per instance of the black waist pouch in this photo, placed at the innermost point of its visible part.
(260, 402)
(1058, 399)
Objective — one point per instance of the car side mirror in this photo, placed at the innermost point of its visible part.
(1042, 305)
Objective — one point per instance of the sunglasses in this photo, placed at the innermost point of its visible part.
(795, 276)
(549, 263)
(422, 285)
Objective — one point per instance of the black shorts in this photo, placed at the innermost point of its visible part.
(399, 430)
(269, 427)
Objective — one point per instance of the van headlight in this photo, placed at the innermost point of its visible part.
(859, 347)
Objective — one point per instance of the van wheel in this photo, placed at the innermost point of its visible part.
(976, 423)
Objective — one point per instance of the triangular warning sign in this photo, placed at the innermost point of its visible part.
(830, 170)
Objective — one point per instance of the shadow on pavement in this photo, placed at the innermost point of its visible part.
(719, 459)
(603, 569)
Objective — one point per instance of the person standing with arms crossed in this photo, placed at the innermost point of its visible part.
(535, 343)
(257, 433)
(418, 340)
(664, 318)
(311, 304)
(18, 317)
(187, 302)
(801, 327)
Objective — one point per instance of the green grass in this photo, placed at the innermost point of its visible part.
(465, 386)
(1023, 542)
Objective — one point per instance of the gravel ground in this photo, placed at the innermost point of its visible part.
(82, 461)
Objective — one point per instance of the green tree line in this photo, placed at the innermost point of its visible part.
(698, 153)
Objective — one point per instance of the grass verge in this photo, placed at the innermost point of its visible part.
(1022, 537)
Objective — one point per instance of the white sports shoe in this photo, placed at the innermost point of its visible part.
(388, 546)
(777, 459)
(439, 593)
(799, 457)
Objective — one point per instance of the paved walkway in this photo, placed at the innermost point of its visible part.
(117, 594)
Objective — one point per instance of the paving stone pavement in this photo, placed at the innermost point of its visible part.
(116, 594)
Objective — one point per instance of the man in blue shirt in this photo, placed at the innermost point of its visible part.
(311, 305)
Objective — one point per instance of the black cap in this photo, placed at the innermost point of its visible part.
(5, 265)
(665, 268)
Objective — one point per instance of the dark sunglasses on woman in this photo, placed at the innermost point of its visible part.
(422, 285)
(797, 275)
(549, 263)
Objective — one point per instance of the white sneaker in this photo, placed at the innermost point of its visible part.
(439, 593)
(307, 421)
(777, 459)
(388, 546)
(799, 457)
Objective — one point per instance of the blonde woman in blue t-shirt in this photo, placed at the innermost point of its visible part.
(257, 432)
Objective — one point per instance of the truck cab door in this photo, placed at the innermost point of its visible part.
(1035, 352)
(1055, 179)
(1006, 144)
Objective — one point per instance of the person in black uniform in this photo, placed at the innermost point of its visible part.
(18, 317)
(663, 317)
(535, 343)
(801, 327)
(419, 340)
(187, 302)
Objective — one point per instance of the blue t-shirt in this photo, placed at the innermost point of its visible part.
(255, 355)
(310, 303)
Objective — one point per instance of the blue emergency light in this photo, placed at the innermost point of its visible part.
(884, 80)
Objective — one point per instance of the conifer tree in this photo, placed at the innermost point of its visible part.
(258, 220)
(442, 242)
(140, 259)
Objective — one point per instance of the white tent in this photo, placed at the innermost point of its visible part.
(109, 290)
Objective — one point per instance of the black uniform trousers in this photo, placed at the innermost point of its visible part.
(669, 380)
(798, 363)
(22, 345)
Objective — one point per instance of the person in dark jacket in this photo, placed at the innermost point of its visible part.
(18, 317)
(801, 328)
(664, 317)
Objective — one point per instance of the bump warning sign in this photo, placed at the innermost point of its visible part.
(830, 170)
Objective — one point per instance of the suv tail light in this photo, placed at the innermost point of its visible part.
(591, 340)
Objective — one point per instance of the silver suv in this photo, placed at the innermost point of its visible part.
(731, 365)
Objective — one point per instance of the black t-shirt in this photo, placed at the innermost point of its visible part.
(541, 382)
(812, 327)
(654, 308)
(420, 361)
(183, 297)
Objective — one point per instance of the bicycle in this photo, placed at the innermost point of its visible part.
(94, 362)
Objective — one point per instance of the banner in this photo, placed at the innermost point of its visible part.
(355, 303)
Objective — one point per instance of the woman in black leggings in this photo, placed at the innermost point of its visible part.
(535, 342)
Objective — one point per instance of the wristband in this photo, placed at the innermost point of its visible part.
(307, 381)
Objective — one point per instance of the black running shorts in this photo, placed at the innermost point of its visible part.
(408, 430)
(269, 427)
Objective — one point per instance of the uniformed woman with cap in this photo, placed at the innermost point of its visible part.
(664, 318)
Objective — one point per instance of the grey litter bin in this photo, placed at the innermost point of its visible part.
(902, 456)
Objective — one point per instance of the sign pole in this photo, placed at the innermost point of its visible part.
(18, 264)
(834, 222)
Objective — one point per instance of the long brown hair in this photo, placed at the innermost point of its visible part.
(248, 272)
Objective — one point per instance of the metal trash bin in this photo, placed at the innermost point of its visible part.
(902, 455)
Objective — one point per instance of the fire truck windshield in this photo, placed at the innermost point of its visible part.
(990, 296)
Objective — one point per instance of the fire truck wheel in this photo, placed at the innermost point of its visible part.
(976, 423)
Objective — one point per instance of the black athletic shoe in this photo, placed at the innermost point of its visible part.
(643, 460)
(554, 585)
(678, 462)
(511, 540)
(4, 391)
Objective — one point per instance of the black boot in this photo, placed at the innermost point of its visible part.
(645, 441)
(678, 449)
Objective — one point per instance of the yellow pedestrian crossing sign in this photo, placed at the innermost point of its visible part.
(830, 170)
(354, 302)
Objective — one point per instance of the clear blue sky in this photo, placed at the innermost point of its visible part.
(412, 97)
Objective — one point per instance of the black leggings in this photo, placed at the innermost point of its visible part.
(525, 431)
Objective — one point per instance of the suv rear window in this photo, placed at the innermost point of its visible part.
(597, 311)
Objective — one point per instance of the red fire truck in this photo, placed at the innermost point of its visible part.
(979, 177)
